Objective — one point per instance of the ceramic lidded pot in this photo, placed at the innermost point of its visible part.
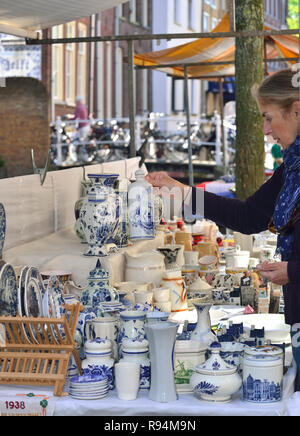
(137, 351)
(263, 374)
(173, 279)
(98, 290)
(144, 267)
(141, 208)
(98, 359)
(187, 355)
(215, 380)
(100, 213)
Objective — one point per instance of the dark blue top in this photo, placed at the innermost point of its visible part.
(253, 216)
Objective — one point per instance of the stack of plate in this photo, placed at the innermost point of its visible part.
(88, 387)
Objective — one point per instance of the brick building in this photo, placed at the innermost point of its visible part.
(97, 71)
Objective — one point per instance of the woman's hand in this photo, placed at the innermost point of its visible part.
(161, 179)
(276, 272)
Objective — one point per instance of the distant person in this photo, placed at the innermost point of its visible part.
(81, 114)
(277, 155)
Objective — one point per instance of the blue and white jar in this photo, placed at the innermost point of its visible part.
(99, 289)
(100, 213)
(98, 360)
(132, 326)
(138, 351)
(263, 374)
(141, 208)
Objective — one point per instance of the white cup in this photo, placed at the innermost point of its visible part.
(127, 380)
(143, 297)
(191, 257)
(164, 307)
(161, 295)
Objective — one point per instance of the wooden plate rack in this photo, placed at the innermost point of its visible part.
(43, 360)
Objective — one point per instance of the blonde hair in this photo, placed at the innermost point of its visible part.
(277, 89)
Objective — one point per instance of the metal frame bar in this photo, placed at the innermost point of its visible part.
(167, 36)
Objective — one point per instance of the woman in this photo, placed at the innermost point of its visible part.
(276, 205)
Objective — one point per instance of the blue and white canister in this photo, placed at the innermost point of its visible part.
(263, 374)
(98, 360)
(141, 208)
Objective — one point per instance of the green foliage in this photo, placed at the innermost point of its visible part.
(2, 162)
(293, 14)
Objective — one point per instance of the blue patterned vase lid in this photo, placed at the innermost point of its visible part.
(98, 273)
(215, 365)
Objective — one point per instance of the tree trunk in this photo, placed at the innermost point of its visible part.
(250, 153)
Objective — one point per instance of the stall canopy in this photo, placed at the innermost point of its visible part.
(25, 17)
(208, 50)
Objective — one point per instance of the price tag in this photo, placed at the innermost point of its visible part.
(26, 405)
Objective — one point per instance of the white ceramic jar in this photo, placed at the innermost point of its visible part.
(141, 208)
(137, 351)
(262, 374)
(98, 360)
(187, 355)
(216, 380)
(237, 258)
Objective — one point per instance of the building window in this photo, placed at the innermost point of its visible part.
(191, 14)
(82, 63)
(177, 95)
(57, 63)
(214, 22)
(213, 4)
(177, 11)
(132, 7)
(206, 23)
(145, 13)
(70, 64)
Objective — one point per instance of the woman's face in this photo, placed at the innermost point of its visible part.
(282, 127)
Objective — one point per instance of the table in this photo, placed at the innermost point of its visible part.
(63, 250)
(187, 405)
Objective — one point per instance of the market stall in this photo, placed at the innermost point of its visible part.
(178, 278)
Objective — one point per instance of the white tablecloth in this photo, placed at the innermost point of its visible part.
(187, 405)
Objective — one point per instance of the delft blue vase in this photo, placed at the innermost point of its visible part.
(100, 213)
(98, 290)
(141, 209)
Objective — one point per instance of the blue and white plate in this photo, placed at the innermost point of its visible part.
(8, 291)
(2, 227)
(56, 304)
(88, 379)
(34, 290)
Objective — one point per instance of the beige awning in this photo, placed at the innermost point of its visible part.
(25, 17)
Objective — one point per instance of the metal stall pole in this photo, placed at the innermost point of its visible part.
(224, 148)
(187, 109)
(132, 148)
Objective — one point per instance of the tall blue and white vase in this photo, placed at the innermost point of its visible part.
(121, 235)
(98, 360)
(132, 326)
(138, 351)
(100, 213)
(141, 209)
(99, 289)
